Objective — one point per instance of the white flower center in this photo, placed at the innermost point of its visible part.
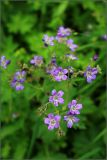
(52, 122)
(60, 73)
(88, 73)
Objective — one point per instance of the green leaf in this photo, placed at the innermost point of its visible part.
(20, 23)
(90, 154)
(20, 149)
(11, 129)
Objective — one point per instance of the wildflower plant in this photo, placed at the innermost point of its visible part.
(59, 69)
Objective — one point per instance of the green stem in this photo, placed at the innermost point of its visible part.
(32, 140)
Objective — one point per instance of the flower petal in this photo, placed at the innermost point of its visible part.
(60, 93)
(54, 92)
(69, 124)
(57, 117)
(79, 106)
(75, 119)
(46, 121)
(56, 103)
(50, 127)
(50, 115)
(56, 125)
(74, 102)
(61, 100)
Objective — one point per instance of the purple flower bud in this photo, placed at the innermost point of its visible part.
(53, 60)
(4, 62)
(56, 97)
(52, 121)
(95, 57)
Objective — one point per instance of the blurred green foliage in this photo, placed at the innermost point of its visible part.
(23, 134)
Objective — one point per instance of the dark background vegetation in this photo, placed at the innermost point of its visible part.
(23, 134)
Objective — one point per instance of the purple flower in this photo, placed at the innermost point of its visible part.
(48, 41)
(59, 74)
(71, 57)
(20, 76)
(53, 60)
(4, 62)
(17, 85)
(63, 32)
(52, 121)
(70, 44)
(90, 74)
(70, 120)
(51, 68)
(61, 39)
(18, 80)
(74, 107)
(37, 60)
(56, 97)
(95, 57)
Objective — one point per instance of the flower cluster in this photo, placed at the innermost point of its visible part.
(74, 109)
(4, 62)
(61, 37)
(57, 73)
(18, 80)
(71, 114)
